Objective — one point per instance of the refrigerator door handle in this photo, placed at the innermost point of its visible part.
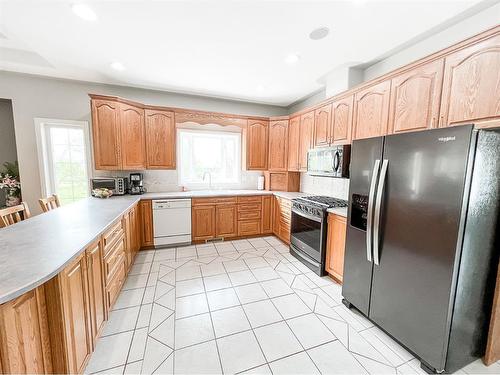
(371, 199)
(378, 204)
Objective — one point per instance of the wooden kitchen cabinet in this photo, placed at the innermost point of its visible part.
(133, 144)
(335, 246)
(415, 97)
(471, 89)
(106, 134)
(341, 129)
(226, 220)
(24, 335)
(322, 126)
(146, 208)
(293, 144)
(371, 111)
(305, 138)
(160, 139)
(266, 217)
(278, 145)
(132, 227)
(203, 219)
(257, 144)
(97, 298)
(282, 218)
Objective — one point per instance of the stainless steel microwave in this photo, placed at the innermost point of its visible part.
(116, 184)
(329, 162)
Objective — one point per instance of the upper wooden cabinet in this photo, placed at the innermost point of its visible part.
(293, 144)
(106, 134)
(415, 98)
(278, 145)
(342, 120)
(322, 126)
(305, 138)
(371, 111)
(257, 144)
(471, 88)
(133, 145)
(160, 139)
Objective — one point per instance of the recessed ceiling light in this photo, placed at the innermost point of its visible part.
(84, 12)
(292, 58)
(118, 66)
(319, 33)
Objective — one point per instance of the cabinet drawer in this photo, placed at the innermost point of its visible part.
(115, 284)
(248, 227)
(248, 215)
(250, 207)
(203, 201)
(251, 199)
(226, 200)
(113, 258)
(111, 236)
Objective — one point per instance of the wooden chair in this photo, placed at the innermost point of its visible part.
(49, 203)
(14, 214)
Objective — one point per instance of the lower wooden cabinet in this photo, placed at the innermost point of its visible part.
(226, 220)
(335, 246)
(146, 217)
(282, 215)
(132, 227)
(266, 216)
(24, 336)
(203, 222)
(97, 299)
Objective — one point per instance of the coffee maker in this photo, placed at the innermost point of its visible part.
(136, 184)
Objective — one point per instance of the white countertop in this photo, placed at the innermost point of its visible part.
(341, 211)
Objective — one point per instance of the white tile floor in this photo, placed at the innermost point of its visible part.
(243, 306)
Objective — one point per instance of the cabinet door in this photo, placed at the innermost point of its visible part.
(305, 136)
(342, 120)
(96, 289)
(24, 341)
(160, 139)
(133, 146)
(278, 145)
(257, 144)
(415, 98)
(76, 314)
(106, 134)
(147, 238)
(127, 226)
(293, 144)
(322, 125)
(266, 216)
(335, 247)
(371, 111)
(471, 88)
(203, 222)
(226, 220)
(276, 215)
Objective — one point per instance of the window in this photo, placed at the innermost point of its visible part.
(63, 149)
(216, 152)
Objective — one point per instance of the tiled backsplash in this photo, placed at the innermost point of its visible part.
(333, 187)
(163, 181)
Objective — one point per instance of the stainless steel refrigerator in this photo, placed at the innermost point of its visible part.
(422, 250)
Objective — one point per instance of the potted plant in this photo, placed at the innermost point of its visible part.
(9, 182)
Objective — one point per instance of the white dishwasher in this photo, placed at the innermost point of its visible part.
(171, 221)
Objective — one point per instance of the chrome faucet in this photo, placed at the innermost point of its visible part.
(209, 179)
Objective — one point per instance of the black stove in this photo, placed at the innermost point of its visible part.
(309, 229)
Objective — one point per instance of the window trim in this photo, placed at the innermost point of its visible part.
(197, 185)
(46, 184)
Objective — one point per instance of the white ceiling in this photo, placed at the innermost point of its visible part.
(231, 49)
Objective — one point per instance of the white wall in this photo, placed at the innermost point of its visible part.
(34, 96)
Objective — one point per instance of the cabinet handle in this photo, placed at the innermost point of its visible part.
(440, 121)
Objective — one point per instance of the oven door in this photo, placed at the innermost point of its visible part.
(307, 234)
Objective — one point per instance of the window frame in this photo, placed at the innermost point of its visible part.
(44, 159)
(196, 185)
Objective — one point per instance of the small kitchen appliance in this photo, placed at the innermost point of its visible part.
(118, 185)
(329, 161)
(136, 184)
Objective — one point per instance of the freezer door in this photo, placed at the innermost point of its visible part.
(420, 218)
(365, 158)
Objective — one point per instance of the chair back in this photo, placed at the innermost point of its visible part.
(14, 214)
(49, 203)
